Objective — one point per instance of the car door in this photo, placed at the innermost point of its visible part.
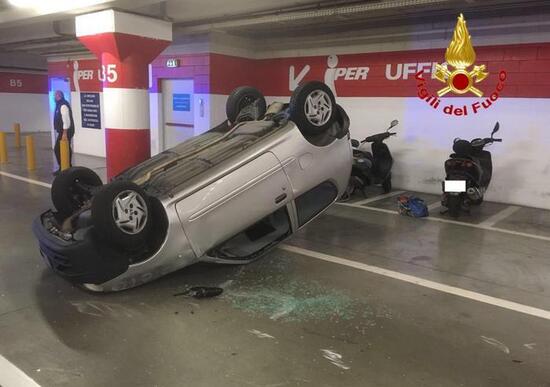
(234, 202)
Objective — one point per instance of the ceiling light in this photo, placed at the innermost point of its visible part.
(55, 5)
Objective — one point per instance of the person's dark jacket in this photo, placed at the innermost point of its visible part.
(58, 120)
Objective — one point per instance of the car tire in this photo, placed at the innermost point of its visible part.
(68, 194)
(312, 108)
(122, 215)
(386, 184)
(242, 97)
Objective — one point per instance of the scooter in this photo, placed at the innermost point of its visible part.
(468, 174)
(371, 168)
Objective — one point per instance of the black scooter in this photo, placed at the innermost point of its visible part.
(468, 174)
(371, 168)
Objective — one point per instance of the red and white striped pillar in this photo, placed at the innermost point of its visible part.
(125, 44)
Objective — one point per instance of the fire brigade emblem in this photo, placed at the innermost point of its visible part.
(460, 55)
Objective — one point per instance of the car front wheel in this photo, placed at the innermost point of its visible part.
(73, 188)
(121, 214)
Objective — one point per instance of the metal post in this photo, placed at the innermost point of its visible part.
(31, 158)
(3, 149)
(17, 131)
(65, 156)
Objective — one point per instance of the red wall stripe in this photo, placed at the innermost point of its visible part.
(527, 66)
(14, 82)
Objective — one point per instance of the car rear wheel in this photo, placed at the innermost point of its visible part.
(73, 188)
(121, 214)
(242, 97)
(312, 108)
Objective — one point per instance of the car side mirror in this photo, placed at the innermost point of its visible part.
(495, 129)
(393, 123)
(355, 143)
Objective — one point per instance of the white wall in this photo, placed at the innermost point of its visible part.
(30, 110)
(156, 122)
(203, 115)
(521, 162)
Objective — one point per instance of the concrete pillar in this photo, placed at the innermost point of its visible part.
(125, 44)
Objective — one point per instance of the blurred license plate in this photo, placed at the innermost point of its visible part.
(454, 186)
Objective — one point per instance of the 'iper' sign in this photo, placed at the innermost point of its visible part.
(460, 55)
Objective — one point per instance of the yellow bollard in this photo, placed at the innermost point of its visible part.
(17, 130)
(64, 153)
(31, 159)
(3, 149)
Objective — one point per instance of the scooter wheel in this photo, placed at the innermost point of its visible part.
(386, 184)
(454, 203)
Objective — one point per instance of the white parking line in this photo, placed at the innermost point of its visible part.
(27, 180)
(492, 220)
(444, 220)
(434, 205)
(11, 376)
(379, 197)
(501, 303)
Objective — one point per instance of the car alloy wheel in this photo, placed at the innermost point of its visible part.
(318, 107)
(130, 212)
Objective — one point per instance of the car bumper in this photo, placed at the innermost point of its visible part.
(80, 261)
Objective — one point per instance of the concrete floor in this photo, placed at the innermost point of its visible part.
(291, 319)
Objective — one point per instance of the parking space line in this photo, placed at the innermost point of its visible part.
(11, 376)
(443, 220)
(385, 210)
(434, 205)
(464, 293)
(25, 179)
(492, 220)
(379, 197)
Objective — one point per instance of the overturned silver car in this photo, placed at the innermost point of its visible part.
(226, 196)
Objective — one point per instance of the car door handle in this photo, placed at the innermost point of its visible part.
(280, 198)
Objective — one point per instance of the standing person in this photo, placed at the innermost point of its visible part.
(63, 124)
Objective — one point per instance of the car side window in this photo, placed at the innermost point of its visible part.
(314, 201)
(256, 238)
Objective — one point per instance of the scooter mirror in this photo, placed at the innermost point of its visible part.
(393, 123)
(355, 143)
(496, 128)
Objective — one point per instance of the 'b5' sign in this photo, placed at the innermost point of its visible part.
(108, 73)
(16, 83)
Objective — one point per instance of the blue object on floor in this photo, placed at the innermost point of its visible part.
(412, 206)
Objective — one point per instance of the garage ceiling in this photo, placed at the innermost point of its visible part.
(43, 32)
